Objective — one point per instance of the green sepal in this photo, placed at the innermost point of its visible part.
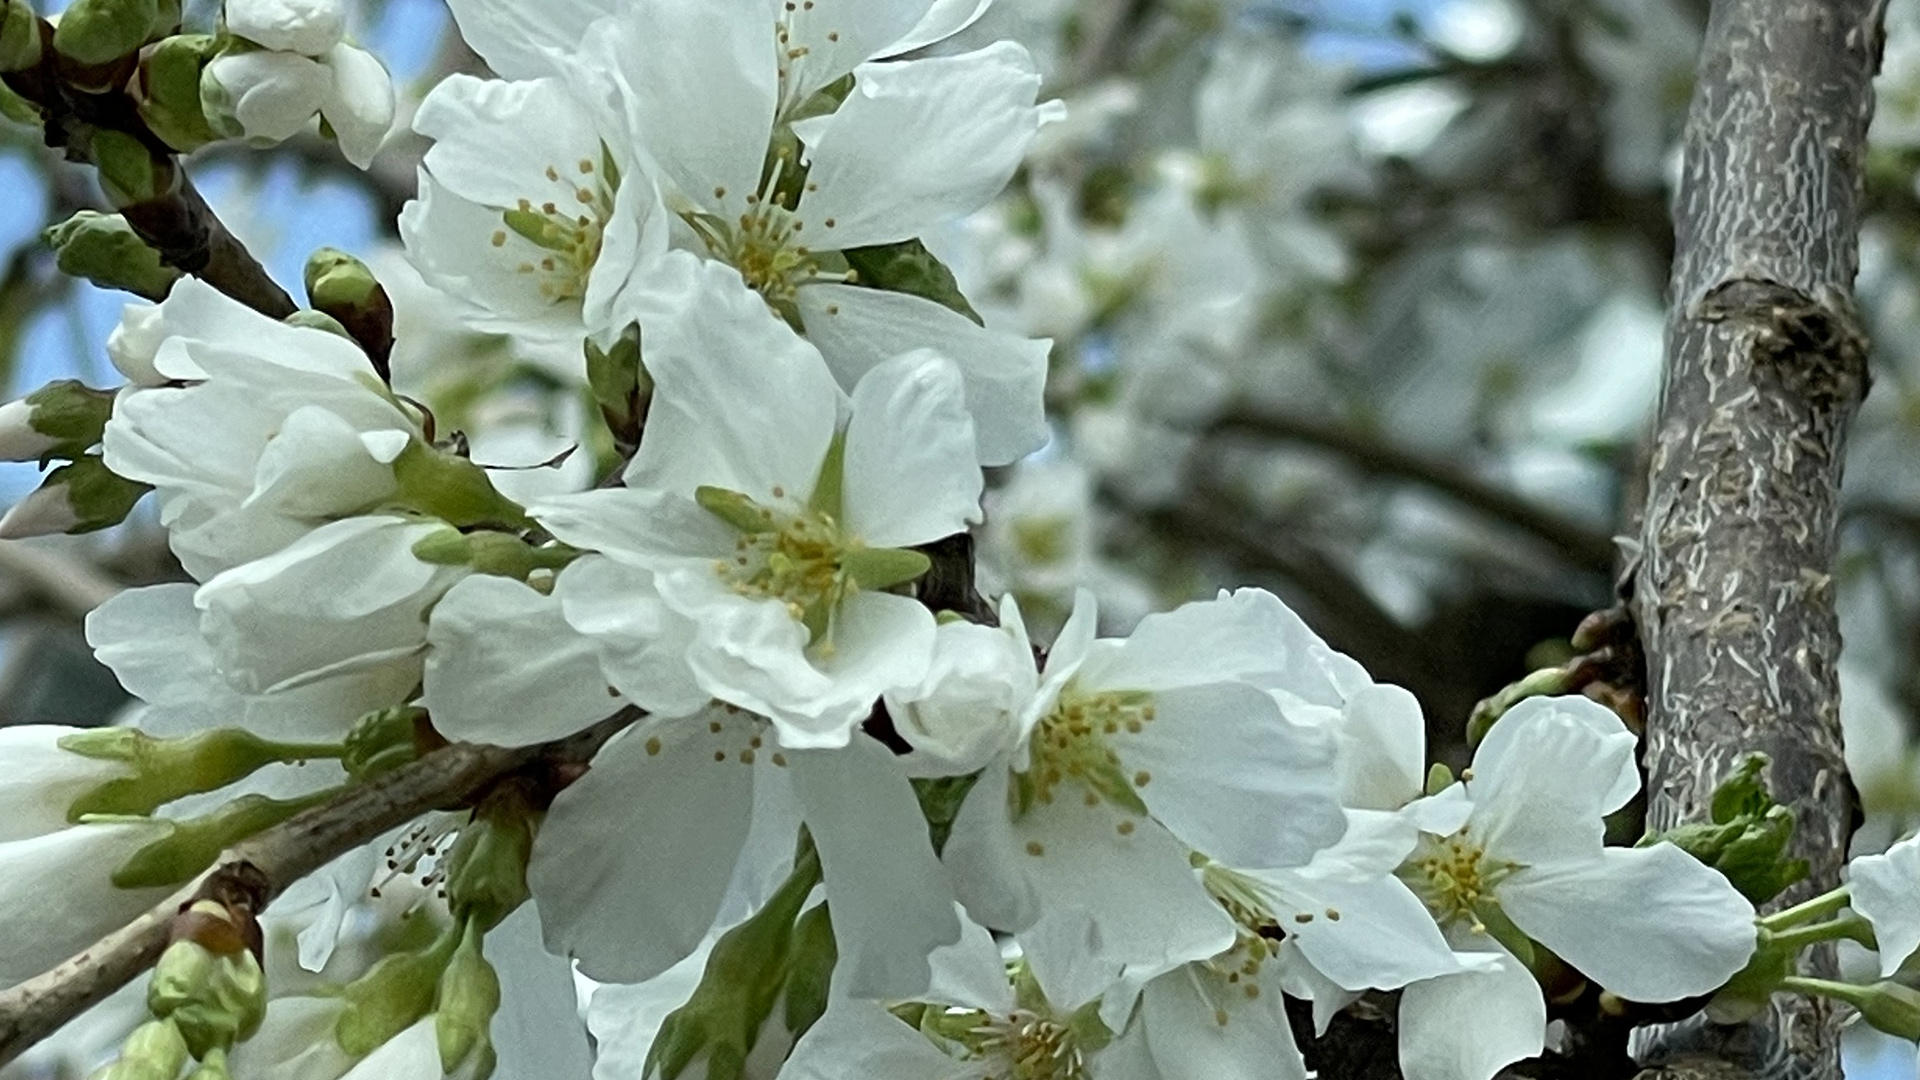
(97, 32)
(99, 497)
(393, 995)
(618, 381)
(829, 488)
(1747, 837)
(1889, 1007)
(908, 267)
(735, 509)
(1544, 682)
(744, 977)
(810, 977)
(1745, 995)
(318, 320)
(169, 91)
(492, 553)
(1090, 1033)
(940, 800)
(487, 867)
(154, 1051)
(163, 770)
(883, 568)
(20, 37)
(824, 101)
(17, 109)
(129, 172)
(72, 414)
(382, 740)
(468, 996)
(190, 846)
(453, 489)
(1439, 778)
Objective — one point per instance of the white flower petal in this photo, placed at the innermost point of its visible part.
(702, 109)
(1611, 776)
(1234, 778)
(861, 1040)
(877, 187)
(494, 141)
(42, 780)
(360, 107)
(654, 797)
(857, 329)
(911, 477)
(641, 645)
(1545, 777)
(537, 1030)
(943, 20)
(1885, 888)
(827, 39)
(523, 41)
(1180, 1012)
(987, 864)
(889, 895)
(58, 896)
(1383, 742)
(505, 668)
(714, 350)
(1247, 635)
(1471, 1025)
(307, 27)
(1650, 924)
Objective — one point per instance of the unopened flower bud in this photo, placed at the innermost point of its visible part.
(75, 498)
(469, 995)
(383, 740)
(19, 441)
(96, 32)
(307, 27)
(392, 996)
(343, 287)
(263, 97)
(169, 91)
(130, 173)
(105, 250)
(214, 997)
(487, 868)
(155, 1051)
(20, 36)
(453, 489)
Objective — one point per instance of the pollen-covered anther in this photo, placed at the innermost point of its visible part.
(1073, 742)
(571, 237)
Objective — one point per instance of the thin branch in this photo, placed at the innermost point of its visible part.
(1576, 542)
(250, 874)
(1766, 366)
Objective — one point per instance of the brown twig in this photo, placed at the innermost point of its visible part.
(1580, 544)
(253, 872)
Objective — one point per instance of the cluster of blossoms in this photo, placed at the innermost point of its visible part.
(855, 823)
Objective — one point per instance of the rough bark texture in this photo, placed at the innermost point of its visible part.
(1766, 366)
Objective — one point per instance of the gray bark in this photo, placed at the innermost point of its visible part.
(1766, 366)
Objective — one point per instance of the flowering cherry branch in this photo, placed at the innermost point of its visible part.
(252, 873)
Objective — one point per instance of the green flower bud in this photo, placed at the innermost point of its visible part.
(78, 497)
(215, 998)
(1890, 1007)
(487, 868)
(130, 173)
(744, 978)
(343, 287)
(494, 553)
(163, 770)
(105, 250)
(20, 37)
(96, 32)
(69, 413)
(463, 1015)
(453, 489)
(318, 320)
(169, 91)
(155, 1051)
(212, 1067)
(393, 995)
(383, 740)
(192, 844)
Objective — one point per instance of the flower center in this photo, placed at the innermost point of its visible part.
(799, 555)
(1020, 1045)
(1074, 743)
(565, 230)
(764, 243)
(1454, 877)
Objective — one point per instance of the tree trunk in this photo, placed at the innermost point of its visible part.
(1766, 366)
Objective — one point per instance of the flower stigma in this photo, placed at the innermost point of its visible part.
(764, 242)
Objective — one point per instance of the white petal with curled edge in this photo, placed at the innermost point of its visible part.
(1650, 924)
(654, 797)
(1383, 741)
(360, 107)
(1541, 788)
(911, 477)
(1609, 778)
(494, 141)
(642, 646)
(857, 329)
(1234, 778)
(1247, 635)
(1471, 1025)
(504, 667)
(307, 27)
(878, 184)
(943, 20)
(892, 905)
(703, 109)
(525, 41)
(1884, 887)
(827, 39)
(861, 1040)
(715, 351)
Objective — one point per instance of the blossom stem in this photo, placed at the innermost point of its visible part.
(1839, 991)
(1825, 904)
(1851, 927)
